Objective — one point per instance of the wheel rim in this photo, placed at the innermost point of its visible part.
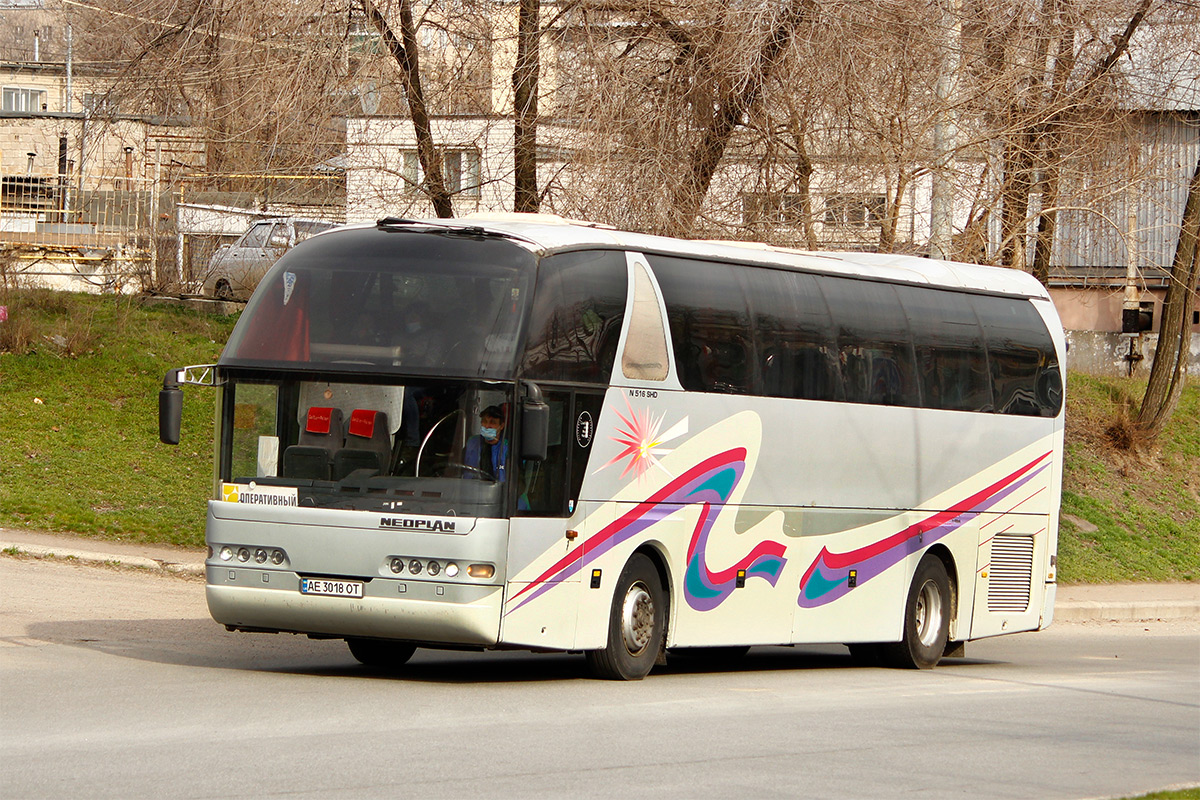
(637, 618)
(928, 613)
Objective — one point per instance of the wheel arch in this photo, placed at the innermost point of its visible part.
(656, 552)
(941, 552)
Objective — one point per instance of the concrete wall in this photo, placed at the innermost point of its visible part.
(1106, 353)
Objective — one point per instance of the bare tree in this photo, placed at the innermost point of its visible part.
(525, 107)
(404, 50)
(1169, 371)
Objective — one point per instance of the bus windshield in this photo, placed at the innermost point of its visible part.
(379, 301)
(428, 447)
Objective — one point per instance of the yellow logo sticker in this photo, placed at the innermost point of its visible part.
(229, 492)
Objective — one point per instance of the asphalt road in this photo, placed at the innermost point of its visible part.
(114, 683)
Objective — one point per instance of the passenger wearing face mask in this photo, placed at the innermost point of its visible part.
(486, 453)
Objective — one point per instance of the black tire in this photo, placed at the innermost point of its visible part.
(635, 624)
(223, 291)
(926, 619)
(381, 653)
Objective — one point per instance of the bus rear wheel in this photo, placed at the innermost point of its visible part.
(926, 619)
(635, 624)
(381, 653)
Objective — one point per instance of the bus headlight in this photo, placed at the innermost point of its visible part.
(243, 554)
(481, 570)
(260, 555)
(452, 570)
(226, 553)
(397, 565)
(434, 568)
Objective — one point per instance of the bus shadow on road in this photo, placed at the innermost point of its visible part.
(204, 644)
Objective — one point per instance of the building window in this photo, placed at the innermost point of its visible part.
(27, 100)
(782, 208)
(855, 210)
(460, 170)
(99, 105)
(411, 172)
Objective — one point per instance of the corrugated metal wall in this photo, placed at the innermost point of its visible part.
(1168, 145)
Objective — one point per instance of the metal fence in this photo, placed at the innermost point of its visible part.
(133, 235)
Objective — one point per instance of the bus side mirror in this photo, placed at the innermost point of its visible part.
(170, 410)
(535, 425)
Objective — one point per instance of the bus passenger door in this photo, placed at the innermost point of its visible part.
(544, 569)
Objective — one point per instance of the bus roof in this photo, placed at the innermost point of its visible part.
(547, 233)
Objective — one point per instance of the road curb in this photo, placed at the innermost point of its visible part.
(93, 557)
(1089, 610)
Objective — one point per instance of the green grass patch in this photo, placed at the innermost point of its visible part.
(79, 381)
(1143, 499)
(1192, 793)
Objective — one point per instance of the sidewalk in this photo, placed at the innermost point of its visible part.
(1075, 603)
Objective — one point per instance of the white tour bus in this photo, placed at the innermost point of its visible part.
(531, 434)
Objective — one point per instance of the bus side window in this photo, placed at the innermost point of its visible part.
(796, 346)
(1020, 350)
(575, 319)
(874, 342)
(951, 358)
(710, 322)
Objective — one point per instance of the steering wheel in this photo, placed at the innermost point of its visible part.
(460, 465)
(425, 441)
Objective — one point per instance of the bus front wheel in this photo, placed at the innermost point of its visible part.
(635, 624)
(926, 618)
(380, 653)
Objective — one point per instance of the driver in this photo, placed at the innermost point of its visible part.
(486, 451)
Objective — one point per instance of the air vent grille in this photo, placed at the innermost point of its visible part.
(1011, 573)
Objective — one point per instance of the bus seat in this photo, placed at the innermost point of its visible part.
(306, 461)
(368, 443)
(321, 436)
(322, 428)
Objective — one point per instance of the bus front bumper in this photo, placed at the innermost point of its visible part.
(416, 611)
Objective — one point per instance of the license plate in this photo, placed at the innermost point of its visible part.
(331, 588)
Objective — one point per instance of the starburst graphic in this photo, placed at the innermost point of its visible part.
(642, 442)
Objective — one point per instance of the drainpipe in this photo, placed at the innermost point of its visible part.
(69, 65)
(1132, 304)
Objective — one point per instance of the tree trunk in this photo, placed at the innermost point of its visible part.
(1018, 163)
(404, 51)
(731, 107)
(891, 215)
(1048, 151)
(525, 107)
(804, 173)
(1169, 370)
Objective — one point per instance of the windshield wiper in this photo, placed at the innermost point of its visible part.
(448, 229)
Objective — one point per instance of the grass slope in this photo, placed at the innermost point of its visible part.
(79, 450)
(1142, 498)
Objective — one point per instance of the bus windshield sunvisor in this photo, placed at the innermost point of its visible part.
(377, 301)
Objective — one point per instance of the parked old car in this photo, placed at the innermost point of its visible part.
(235, 269)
